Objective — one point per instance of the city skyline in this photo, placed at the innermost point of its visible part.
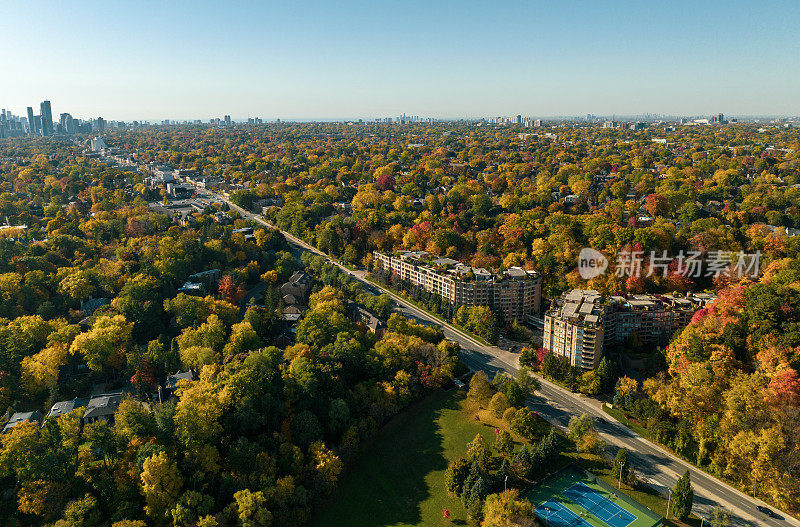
(43, 123)
(193, 61)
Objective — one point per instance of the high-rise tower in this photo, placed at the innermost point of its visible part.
(31, 122)
(47, 118)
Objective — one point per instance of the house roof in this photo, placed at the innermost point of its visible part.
(290, 299)
(103, 405)
(299, 277)
(22, 417)
(62, 407)
(172, 380)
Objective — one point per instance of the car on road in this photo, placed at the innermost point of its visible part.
(766, 511)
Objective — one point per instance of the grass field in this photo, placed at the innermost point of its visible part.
(398, 479)
(560, 490)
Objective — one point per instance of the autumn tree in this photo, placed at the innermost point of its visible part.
(105, 344)
(582, 430)
(480, 390)
(507, 509)
(161, 483)
(252, 508)
(498, 404)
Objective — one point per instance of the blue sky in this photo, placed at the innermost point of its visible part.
(187, 60)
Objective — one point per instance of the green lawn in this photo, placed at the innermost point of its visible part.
(398, 479)
(622, 418)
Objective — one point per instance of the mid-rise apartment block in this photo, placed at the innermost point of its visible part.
(581, 323)
(574, 328)
(513, 293)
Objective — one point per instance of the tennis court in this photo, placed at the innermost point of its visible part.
(599, 505)
(556, 515)
(573, 497)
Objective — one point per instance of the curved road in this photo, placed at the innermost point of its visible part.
(654, 464)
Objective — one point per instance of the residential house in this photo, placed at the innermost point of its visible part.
(101, 408)
(292, 300)
(23, 417)
(298, 285)
(359, 314)
(291, 313)
(64, 407)
(171, 382)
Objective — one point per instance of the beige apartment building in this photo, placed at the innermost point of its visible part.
(574, 328)
(513, 293)
(581, 323)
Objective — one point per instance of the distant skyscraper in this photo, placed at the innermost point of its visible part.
(31, 122)
(721, 118)
(100, 125)
(37, 124)
(519, 119)
(47, 118)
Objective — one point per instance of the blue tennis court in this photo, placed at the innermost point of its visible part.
(599, 505)
(555, 514)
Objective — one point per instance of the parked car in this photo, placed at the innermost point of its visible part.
(766, 511)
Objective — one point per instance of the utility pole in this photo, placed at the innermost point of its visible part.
(669, 499)
(506, 483)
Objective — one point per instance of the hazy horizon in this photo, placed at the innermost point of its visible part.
(198, 60)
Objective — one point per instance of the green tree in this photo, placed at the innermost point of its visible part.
(480, 389)
(503, 443)
(191, 506)
(683, 497)
(498, 404)
(582, 430)
(456, 473)
(101, 435)
(621, 467)
(720, 517)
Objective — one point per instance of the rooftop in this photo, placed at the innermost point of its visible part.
(459, 270)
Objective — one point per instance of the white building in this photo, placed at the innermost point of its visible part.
(98, 144)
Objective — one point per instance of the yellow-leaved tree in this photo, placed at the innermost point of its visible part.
(161, 484)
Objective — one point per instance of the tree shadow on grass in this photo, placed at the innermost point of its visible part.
(386, 484)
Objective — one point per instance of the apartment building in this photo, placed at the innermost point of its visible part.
(581, 323)
(513, 293)
(652, 318)
(574, 328)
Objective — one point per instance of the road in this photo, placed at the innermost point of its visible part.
(656, 465)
